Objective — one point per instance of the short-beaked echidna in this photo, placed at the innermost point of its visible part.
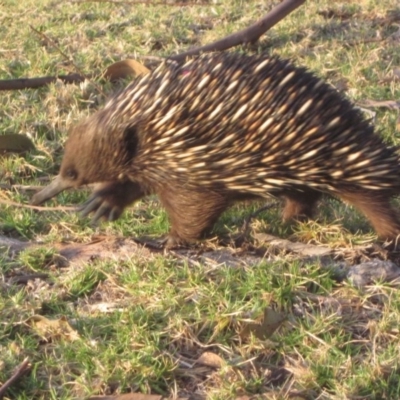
(220, 128)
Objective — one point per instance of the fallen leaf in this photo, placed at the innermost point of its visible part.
(264, 329)
(125, 68)
(52, 329)
(210, 359)
(15, 143)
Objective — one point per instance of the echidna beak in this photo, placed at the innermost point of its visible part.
(57, 186)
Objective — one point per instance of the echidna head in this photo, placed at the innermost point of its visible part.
(95, 151)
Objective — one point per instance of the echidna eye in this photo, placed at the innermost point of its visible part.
(70, 173)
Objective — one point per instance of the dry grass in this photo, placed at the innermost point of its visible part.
(152, 322)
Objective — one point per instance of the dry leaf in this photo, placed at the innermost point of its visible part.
(270, 322)
(15, 143)
(52, 329)
(210, 360)
(125, 68)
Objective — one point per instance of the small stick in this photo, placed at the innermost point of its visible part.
(33, 83)
(248, 35)
(53, 44)
(39, 208)
(23, 368)
(150, 3)
(67, 58)
(25, 188)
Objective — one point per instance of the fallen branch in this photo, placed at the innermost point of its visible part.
(33, 83)
(248, 35)
(245, 36)
(23, 368)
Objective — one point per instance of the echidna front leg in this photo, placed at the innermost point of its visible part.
(377, 208)
(299, 205)
(109, 199)
(192, 213)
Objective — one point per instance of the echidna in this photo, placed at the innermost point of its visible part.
(226, 127)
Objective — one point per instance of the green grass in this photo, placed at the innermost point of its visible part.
(142, 320)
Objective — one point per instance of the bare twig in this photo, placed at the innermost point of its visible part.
(183, 257)
(23, 368)
(38, 208)
(23, 188)
(53, 44)
(24, 279)
(148, 2)
(247, 221)
(33, 83)
(363, 41)
(248, 35)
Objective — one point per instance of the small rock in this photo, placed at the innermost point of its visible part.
(369, 272)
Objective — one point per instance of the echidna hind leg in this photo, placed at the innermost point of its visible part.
(192, 213)
(299, 205)
(377, 208)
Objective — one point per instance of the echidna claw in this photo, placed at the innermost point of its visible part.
(90, 205)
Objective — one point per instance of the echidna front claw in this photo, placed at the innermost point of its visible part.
(109, 200)
(102, 209)
(90, 205)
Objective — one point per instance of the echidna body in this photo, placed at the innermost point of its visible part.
(221, 128)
